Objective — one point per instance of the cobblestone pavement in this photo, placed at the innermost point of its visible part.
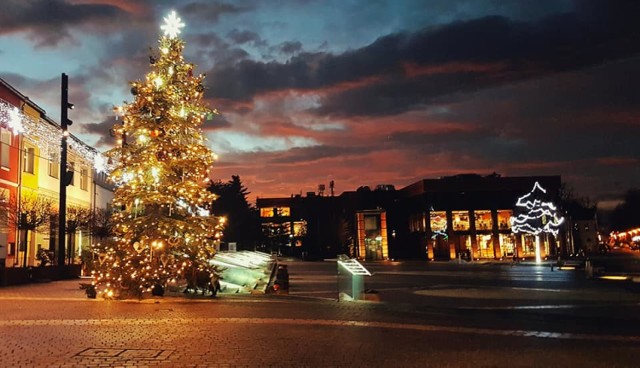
(55, 325)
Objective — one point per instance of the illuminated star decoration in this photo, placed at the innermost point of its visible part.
(172, 25)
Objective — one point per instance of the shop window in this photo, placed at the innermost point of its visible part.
(464, 246)
(483, 220)
(460, 220)
(504, 219)
(438, 222)
(507, 244)
(485, 246)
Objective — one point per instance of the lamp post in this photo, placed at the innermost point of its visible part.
(65, 176)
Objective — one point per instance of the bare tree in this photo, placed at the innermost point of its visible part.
(78, 218)
(101, 223)
(31, 213)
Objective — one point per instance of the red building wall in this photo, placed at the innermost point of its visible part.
(9, 176)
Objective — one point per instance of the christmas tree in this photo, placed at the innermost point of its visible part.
(538, 216)
(162, 226)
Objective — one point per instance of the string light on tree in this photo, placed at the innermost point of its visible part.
(163, 229)
(538, 216)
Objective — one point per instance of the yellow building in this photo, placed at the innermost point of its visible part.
(39, 176)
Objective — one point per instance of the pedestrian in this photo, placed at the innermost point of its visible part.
(215, 285)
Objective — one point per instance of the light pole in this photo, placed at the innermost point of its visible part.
(65, 176)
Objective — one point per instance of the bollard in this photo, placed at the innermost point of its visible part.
(588, 269)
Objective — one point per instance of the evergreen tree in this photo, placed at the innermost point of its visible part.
(243, 222)
(163, 229)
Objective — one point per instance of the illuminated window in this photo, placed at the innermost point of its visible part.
(485, 246)
(266, 212)
(28, 160)
(284, 211)
(438, 221)
(483, 220)
(507, 244)
(5, 144)
(84, 178)
(299, 228)
(460, 220)
(504, 219)
(275, 211)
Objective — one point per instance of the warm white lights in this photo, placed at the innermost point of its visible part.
(15, 120)
(541, 216)
(172, 25)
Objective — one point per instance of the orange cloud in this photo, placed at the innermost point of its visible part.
(133, 7)
(414, 70)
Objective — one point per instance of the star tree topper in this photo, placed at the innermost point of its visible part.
(172, 25)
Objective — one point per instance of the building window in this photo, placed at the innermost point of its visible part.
(5, 145)
(300, 228)
(54, 163)
(70, 169)
(485, 246)
(84, 178)
(460, 220)
(275, 212)
(417, 222)
(507, 244)
(438, 222)
(28, 160)
(483, 220)
(504, 219)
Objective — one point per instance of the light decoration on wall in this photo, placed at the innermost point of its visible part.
(46, 135)
(538, 216)
(438, 225)
(15, 120)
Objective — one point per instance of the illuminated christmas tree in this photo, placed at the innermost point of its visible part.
(163, 229)
(538, 216)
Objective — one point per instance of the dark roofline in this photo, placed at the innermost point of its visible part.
(23, 97)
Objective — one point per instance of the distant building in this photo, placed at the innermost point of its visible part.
(456, 216)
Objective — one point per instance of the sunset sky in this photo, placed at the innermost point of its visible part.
(361, 92)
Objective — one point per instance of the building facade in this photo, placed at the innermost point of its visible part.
(462, 216)
(30, 175)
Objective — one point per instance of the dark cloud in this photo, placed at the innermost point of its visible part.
(217, 121)
(101, 129)
(314, 153)
(211, 11)
(524, 49)
(290, 47)
(47, 21)
(216, 50)
(241, 37)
